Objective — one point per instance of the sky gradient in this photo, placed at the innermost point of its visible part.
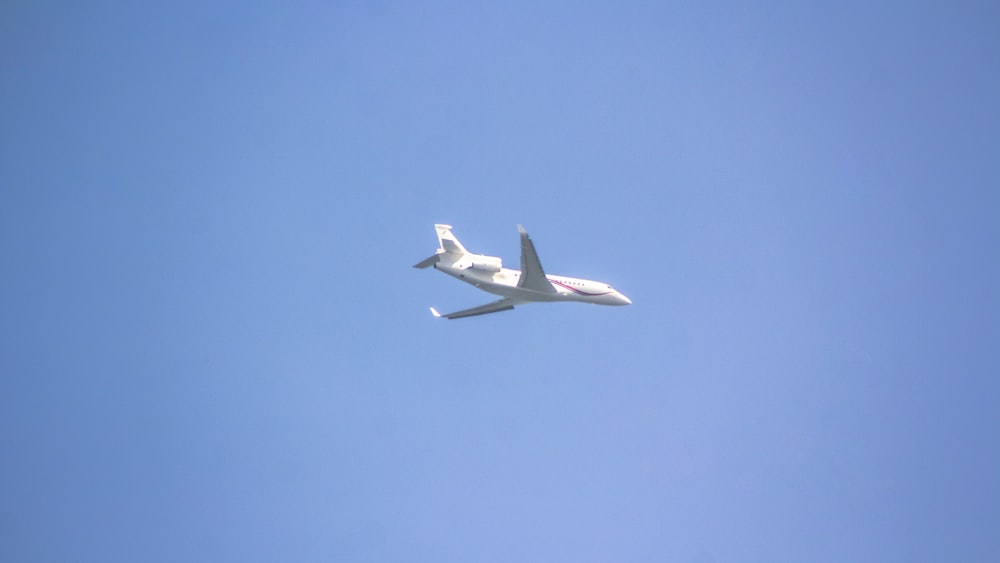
(213, 346)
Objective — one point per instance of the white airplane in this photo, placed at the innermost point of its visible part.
(528, 285)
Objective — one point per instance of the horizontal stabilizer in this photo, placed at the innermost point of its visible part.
(427, 263)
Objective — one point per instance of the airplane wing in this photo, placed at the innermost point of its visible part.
(505, 304)
(532, 274)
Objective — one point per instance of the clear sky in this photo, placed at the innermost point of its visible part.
(213, 346)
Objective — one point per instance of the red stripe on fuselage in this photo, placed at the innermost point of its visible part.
(575, 290)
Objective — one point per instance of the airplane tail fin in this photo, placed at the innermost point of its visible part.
(448, 241)
(449, 245)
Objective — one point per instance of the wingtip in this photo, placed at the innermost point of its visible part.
(520, 229)
(435, 313)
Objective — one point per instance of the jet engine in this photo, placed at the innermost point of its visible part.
(486, 263)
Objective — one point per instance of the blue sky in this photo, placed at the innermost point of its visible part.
(213, 346)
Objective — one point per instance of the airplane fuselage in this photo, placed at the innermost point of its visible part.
(503, 281)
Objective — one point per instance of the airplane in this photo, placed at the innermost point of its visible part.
(527, 285)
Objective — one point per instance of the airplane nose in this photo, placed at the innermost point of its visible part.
(624, 300)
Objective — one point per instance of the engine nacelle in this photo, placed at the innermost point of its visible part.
(486, 263)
